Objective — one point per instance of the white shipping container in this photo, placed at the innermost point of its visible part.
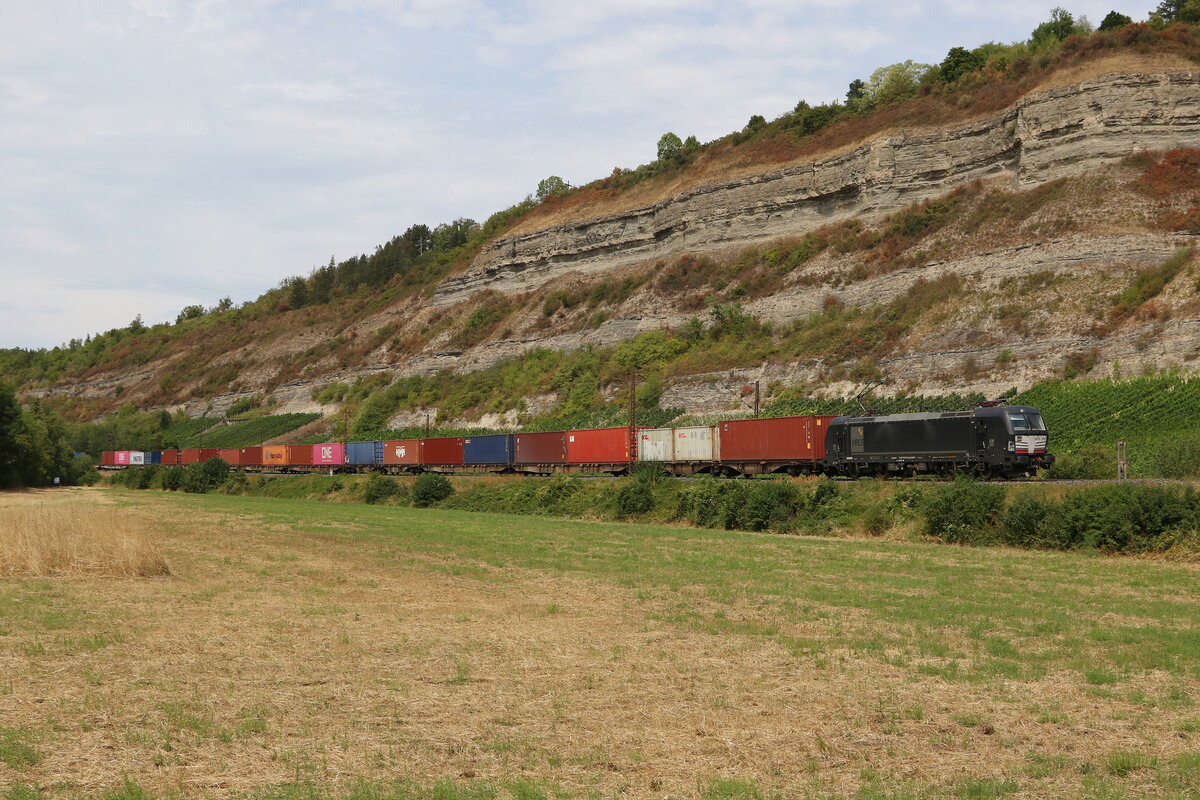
(697, 443)
(655, 444)
(137, 458)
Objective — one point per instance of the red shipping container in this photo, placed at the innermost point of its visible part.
(209, 453)
(329, 453)
(189, 456)
(299, 455)
(108, 458)
(540, 448)
(402, 451)
(232, 456)
(598, 446)
(443, 450)
(275, 456)
(171, 458)
(250, 457)
(777, 439)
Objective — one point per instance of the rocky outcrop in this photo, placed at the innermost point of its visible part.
(1044, 136)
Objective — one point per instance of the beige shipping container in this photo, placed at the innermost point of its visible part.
(656, 444)
(697, 443)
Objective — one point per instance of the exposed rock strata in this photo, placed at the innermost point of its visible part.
(1044, 136)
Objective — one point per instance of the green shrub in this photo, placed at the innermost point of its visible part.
(963, 512)
(203, 477)
(1025, 524)
(1092, 462)
(1178, 456)
(171, 479)
(380, 489)
(634, 498)
(768, 504)
(1121, 517)
(236, 483)
(430, 488)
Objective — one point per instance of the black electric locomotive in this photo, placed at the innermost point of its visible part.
(1000, 441)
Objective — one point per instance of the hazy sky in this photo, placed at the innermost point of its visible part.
(159, 153)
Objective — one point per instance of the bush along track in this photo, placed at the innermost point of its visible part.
(1112, 518)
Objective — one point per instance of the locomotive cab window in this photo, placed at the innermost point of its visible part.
(1023, 421)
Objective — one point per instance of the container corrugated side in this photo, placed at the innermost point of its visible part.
(488, 449)
(442, 451)
(656, 444)
(274, 456)
(189, 455)
(251, 457)
(209, 453)
(231, 456)
(402, 451)
(154, 457)
(540, 448)
(363, 453)
(329, 453)
(598, 446)
(775, 439)
(694, 443)
(137, 458)
(108, 458)
(299, 455)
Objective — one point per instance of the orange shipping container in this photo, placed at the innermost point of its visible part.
(274, 456)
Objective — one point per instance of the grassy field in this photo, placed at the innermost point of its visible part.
(305, 649)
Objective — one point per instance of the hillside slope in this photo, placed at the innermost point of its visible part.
(1051, 236)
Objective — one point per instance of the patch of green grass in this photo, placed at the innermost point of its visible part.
(732, 789)
(984, 788)
(16, 750)
(1125, 762)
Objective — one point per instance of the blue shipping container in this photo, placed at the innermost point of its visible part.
(492, 449)
(154, 457)
(364, 453)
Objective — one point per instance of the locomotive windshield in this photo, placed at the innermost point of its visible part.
(1023, 421)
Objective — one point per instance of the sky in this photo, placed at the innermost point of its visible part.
(159, 153)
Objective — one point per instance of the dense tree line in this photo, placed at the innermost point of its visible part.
(34, 449)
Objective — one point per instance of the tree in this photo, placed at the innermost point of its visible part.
(1060, 25)
(857, 90)
(757, 123)
(449, 235)
(670, 147)
(553, 186)
(1114, 20)
(1179, 11)
(10, 429)
(297, 292)
(895, 82)
(137, 326)
(224, 304)
(418, 239)
(691, 144)
(189, 312)
(958, 62)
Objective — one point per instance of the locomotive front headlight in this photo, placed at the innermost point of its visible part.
(1012, 446)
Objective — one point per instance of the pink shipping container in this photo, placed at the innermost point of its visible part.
(779, 439)
(121, 458)
(402, 451)
(329, 453)
(598, 446)
(444, 450)
(231, 456)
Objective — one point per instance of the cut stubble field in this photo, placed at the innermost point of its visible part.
(304, 649)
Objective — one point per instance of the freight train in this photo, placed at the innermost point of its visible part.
(990, 440)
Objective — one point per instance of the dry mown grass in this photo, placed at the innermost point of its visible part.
(305, 647)
(52, 539)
